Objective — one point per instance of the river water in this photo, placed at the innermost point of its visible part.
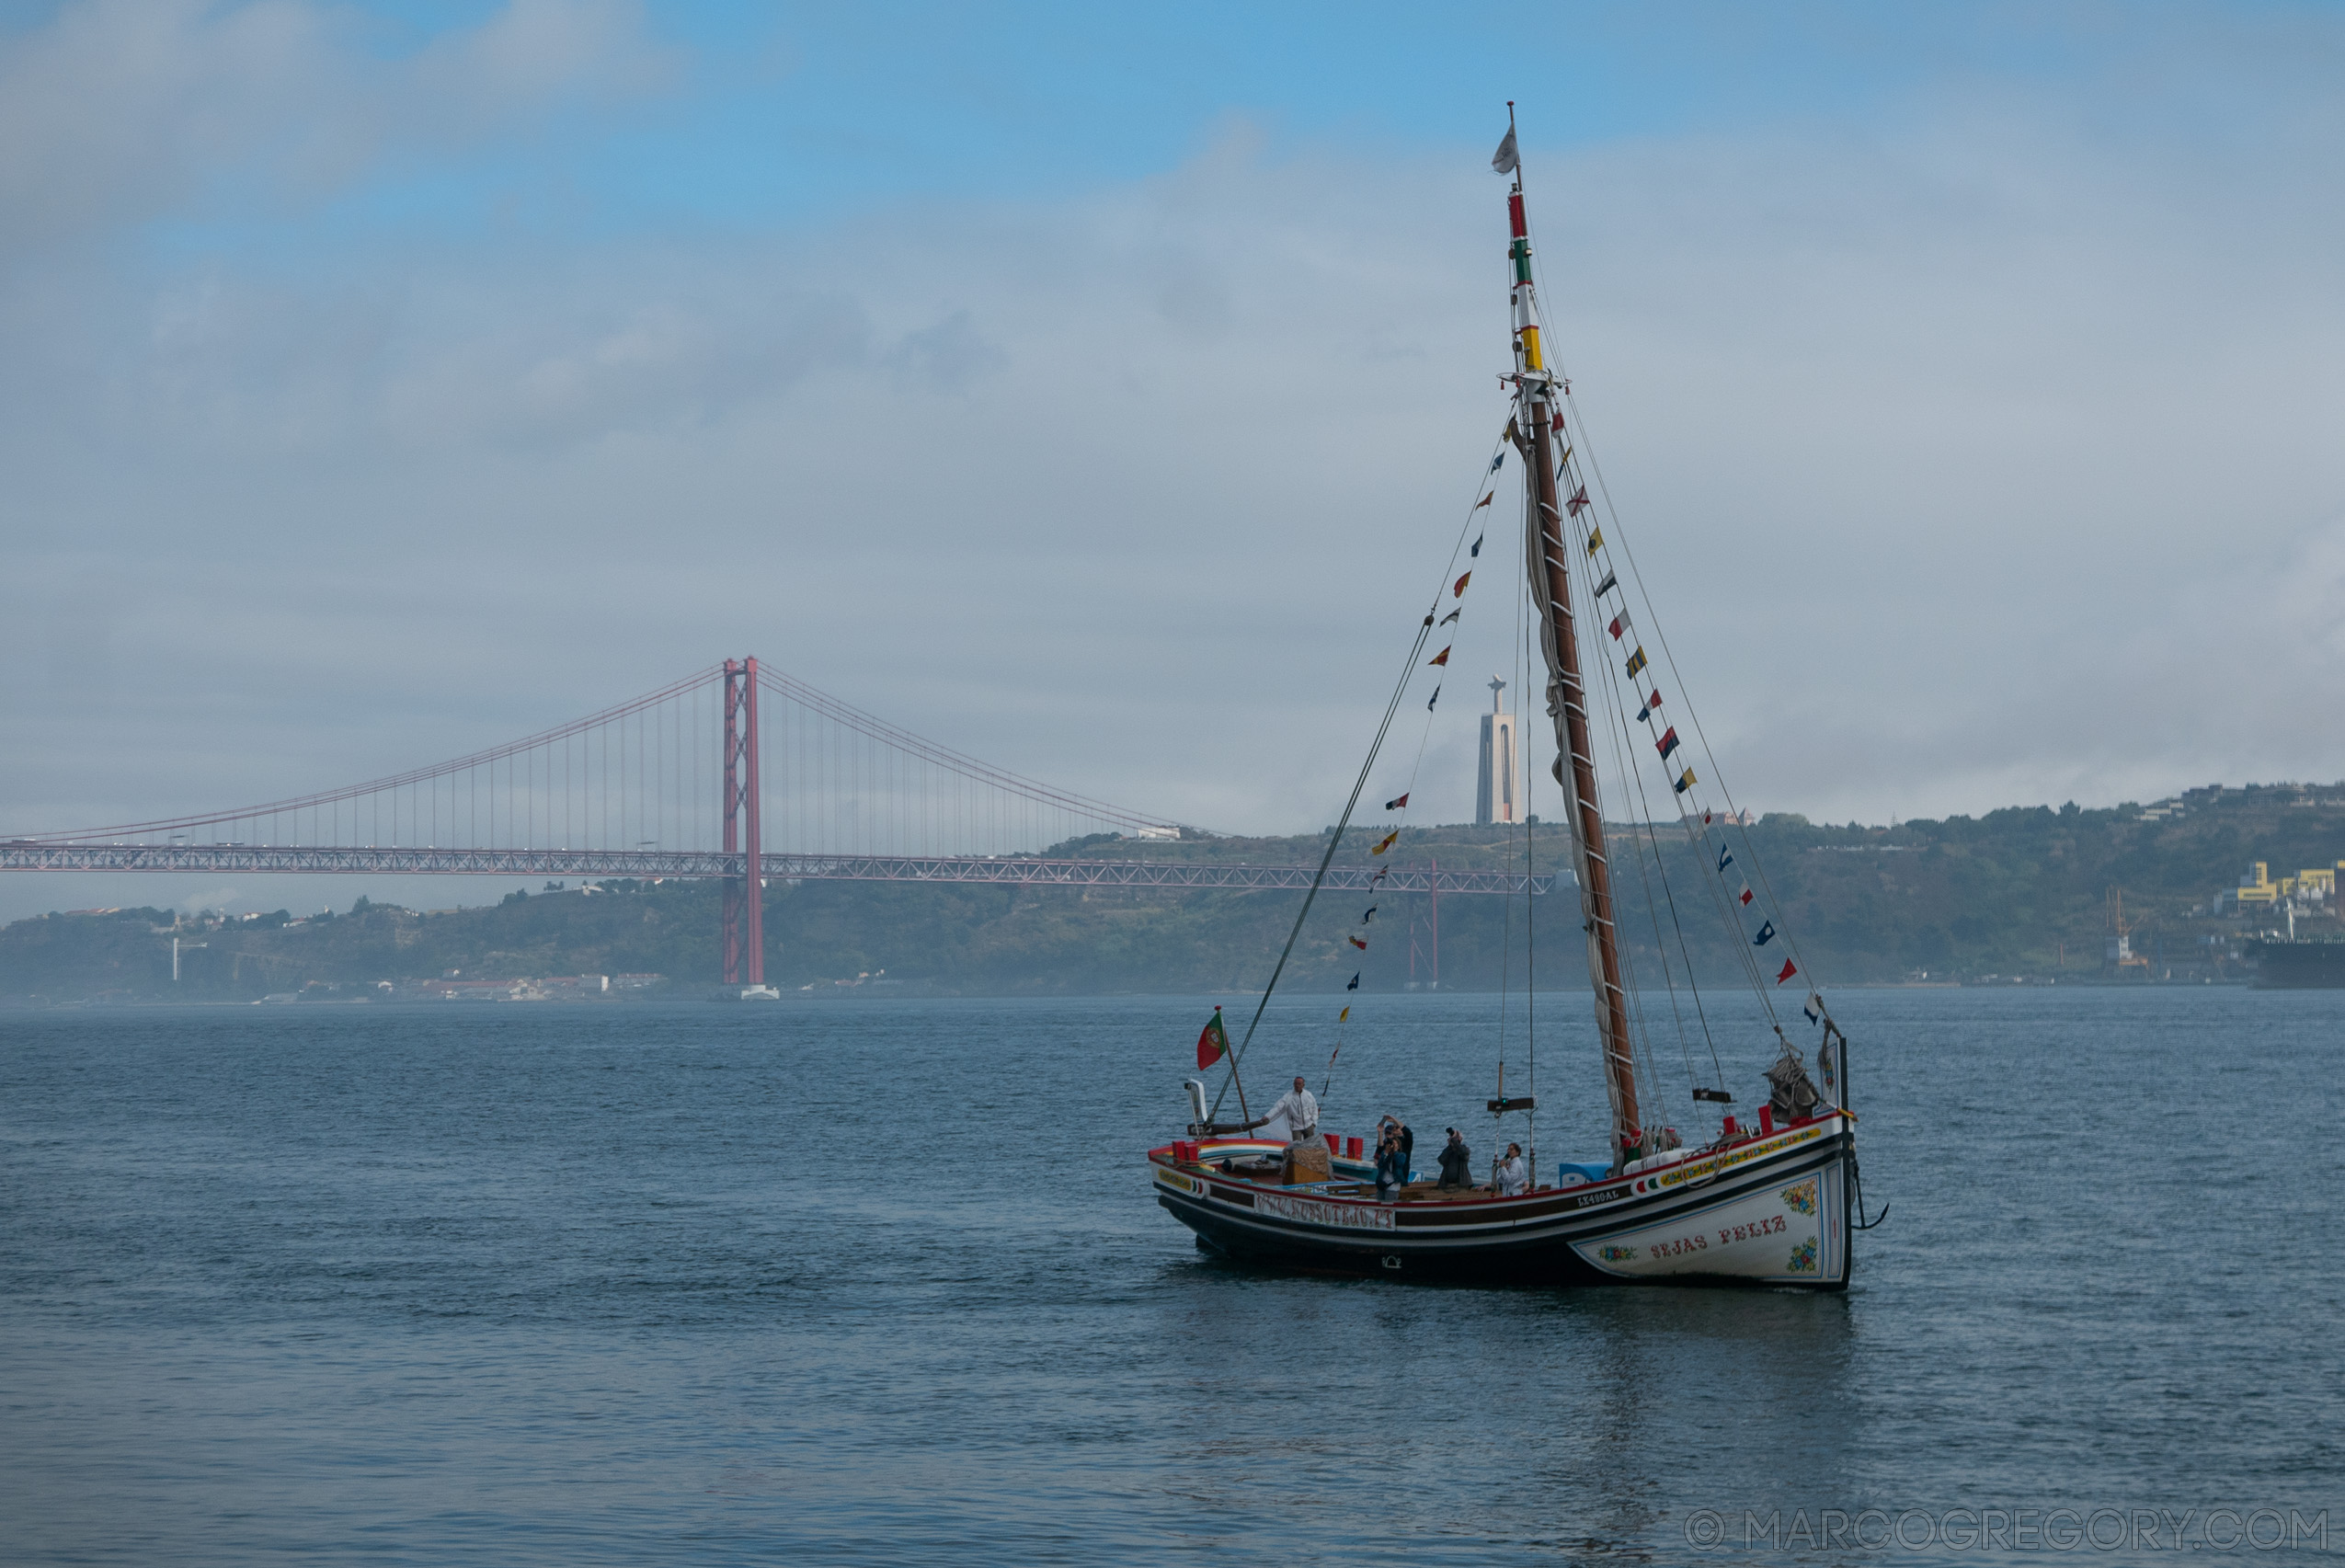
(882, 1281)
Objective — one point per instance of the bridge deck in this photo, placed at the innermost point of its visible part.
(1012, 870)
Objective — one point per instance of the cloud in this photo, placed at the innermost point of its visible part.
(121, 111)
(949, 357)
(1973, 455)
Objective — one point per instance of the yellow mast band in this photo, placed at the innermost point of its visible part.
(1529, 336)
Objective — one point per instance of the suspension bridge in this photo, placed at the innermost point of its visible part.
(687, 782)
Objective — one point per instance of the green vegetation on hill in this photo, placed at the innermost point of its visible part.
(2025, 890)
(2021, 891)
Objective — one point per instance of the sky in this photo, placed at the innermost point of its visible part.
(1093, 390)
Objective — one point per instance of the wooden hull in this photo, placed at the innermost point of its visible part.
(1769, 1211)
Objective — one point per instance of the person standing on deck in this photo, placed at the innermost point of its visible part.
(1408, 1141)
(1301, 1110)
(1391, 1163)
(1456, 1160)
(1512, 1178)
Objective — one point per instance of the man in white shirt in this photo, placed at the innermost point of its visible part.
(1302, 1112)
(1512, 1178)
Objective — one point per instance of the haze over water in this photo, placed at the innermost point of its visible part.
(883, 1283)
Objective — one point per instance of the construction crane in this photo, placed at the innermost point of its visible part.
(2121, 956)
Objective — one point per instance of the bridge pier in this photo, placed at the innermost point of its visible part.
(744, 895)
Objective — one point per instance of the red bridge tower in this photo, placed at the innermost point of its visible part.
(744, 895)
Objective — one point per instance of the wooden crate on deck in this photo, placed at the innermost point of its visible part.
(1305, 1162)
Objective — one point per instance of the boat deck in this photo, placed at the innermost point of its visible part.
(1265, 1174)
(1415, 1192)
(1256, 1164)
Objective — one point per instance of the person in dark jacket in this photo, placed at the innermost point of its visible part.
(1456, 1160)
(1408, 1139)
(1392, 1165)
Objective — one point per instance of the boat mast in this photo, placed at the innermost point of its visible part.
(1538, 423)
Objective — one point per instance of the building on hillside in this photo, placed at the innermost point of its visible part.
(2257, 889)
(1497, 783)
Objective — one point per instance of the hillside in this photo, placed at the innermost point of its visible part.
(2021, 892)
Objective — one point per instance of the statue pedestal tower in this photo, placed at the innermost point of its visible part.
(1495, 785)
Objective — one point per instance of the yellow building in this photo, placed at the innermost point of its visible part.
(2259, 888)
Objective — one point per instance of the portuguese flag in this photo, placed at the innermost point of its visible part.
(1213, 1042)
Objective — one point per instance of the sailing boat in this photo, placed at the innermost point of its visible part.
(1772, 1200)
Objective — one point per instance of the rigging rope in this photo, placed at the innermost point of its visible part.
(1700, 833)
(1697, 825)
(1424, 734)
(1367, 766)
(1623, 740)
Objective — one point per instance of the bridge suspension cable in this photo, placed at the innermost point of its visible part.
(644, 789)
(644, 775)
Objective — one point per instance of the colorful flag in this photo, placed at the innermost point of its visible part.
(1397, 802)
(1595, 540)
(1619, 625)
(1636, 662)
(1685, 782)
(1650, 704)
(1452, 616)
(1506, 160)
(1360, 942)
(1475, 554)
(1744, 897)
(1813, 1008)
(1579, 501)
(1500, 458)
(1766, 934)
(1668, 742)
(1369, 915)
(1484, 501)
(1435, 698)
(1212, 1043)
(1460, 590)
(1611, 580)
(1790, 969)
(1381, 873)
(1344, 1016)
(1441, 658)
(1386, 842)
(1354, 985)
(1725, 857)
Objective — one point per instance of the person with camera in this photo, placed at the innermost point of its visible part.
(1392, 1161)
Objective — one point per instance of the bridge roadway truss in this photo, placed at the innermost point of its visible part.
(1010, 870)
